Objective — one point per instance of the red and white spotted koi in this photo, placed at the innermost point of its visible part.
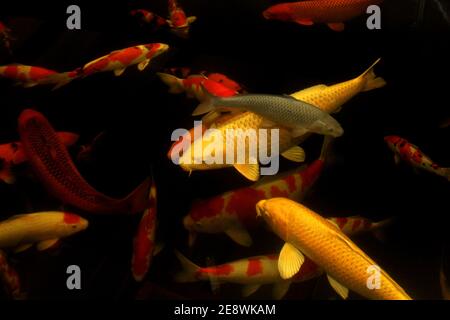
(251, 272)
(178, 21)
(411, 154)
(118, 61)
(234, 211)
(12, 154)
(144, 240)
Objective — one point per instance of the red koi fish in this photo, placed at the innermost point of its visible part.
(178, 21)
(53, 166)
(251, 272)
(193, 85)
(144, 241)
(5, 36)
(118, 61)
(234, 211)
(332, 12)
(150, 18)
(12, 154)
(9, 278)
(411, 154)
(30, 76)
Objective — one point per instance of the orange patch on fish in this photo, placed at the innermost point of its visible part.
(71, 218)
(126, 56)
(311, 174)
(341, 222)
(222, 270)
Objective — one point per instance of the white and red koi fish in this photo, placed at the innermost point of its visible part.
(178, 21)
(118, 61)
(251, 272)
(193, 86)
(149, 18)
(12, 154)
(44, 229)
(234, 211)
(9, 278)
(30, 76)
(411, 154)
(332, 12)
(144, 241)
(5, 36)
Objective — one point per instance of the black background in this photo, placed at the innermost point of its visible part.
(138, 116)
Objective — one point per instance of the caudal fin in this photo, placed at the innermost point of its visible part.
(372, 81)
(174, 83)
(189, 272)
(138, 200)
(61, 79)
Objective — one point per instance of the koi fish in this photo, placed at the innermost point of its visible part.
(193, 86)
(411, 154)
(55, 169)
(118, 61)
(44, 229)
(144, 240)
(30, 76)
(148, 17)
(223, 79)
(234, 212)
(12, 154)
(307, 234)
(5, 36)
(297, 115)
(251, 272)
(332, 12)
(331, 98)
(9, 278)
(178, 22)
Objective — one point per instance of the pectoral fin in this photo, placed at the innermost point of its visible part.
(191, 19)
(338, 26)
(280, 289)
(250, 289)
(295, 154)
(118, 72)
(143, 64)
(250, 171)
(23, 247)
(339, 288)
(47, 244)
(239, 235)
(304, 22)
(290, 261)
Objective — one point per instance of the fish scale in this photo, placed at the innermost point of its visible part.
(327, 246)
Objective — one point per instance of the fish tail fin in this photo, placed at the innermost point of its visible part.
(190, 269)
(61, 79)
(175, 84)
(372, 81)
(138, 199)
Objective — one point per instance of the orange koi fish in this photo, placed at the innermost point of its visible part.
(251, 272)
(411, 154)
(12, 154)
(332, 12)
(144, 241)
(55, 169)
(118, 61)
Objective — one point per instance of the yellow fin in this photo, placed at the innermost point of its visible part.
(46, 244)
(250, 171)
(295, 154)
(118, 72)
(143, 64)
(191, 19)
(174, 83)
(239, 235)
(23, 247)
(372, 81)
(339, 288)
(290, 261)
(250, 289)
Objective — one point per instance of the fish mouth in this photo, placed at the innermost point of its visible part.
(260, 211)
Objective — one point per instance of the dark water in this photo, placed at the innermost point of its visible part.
(138, 116)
